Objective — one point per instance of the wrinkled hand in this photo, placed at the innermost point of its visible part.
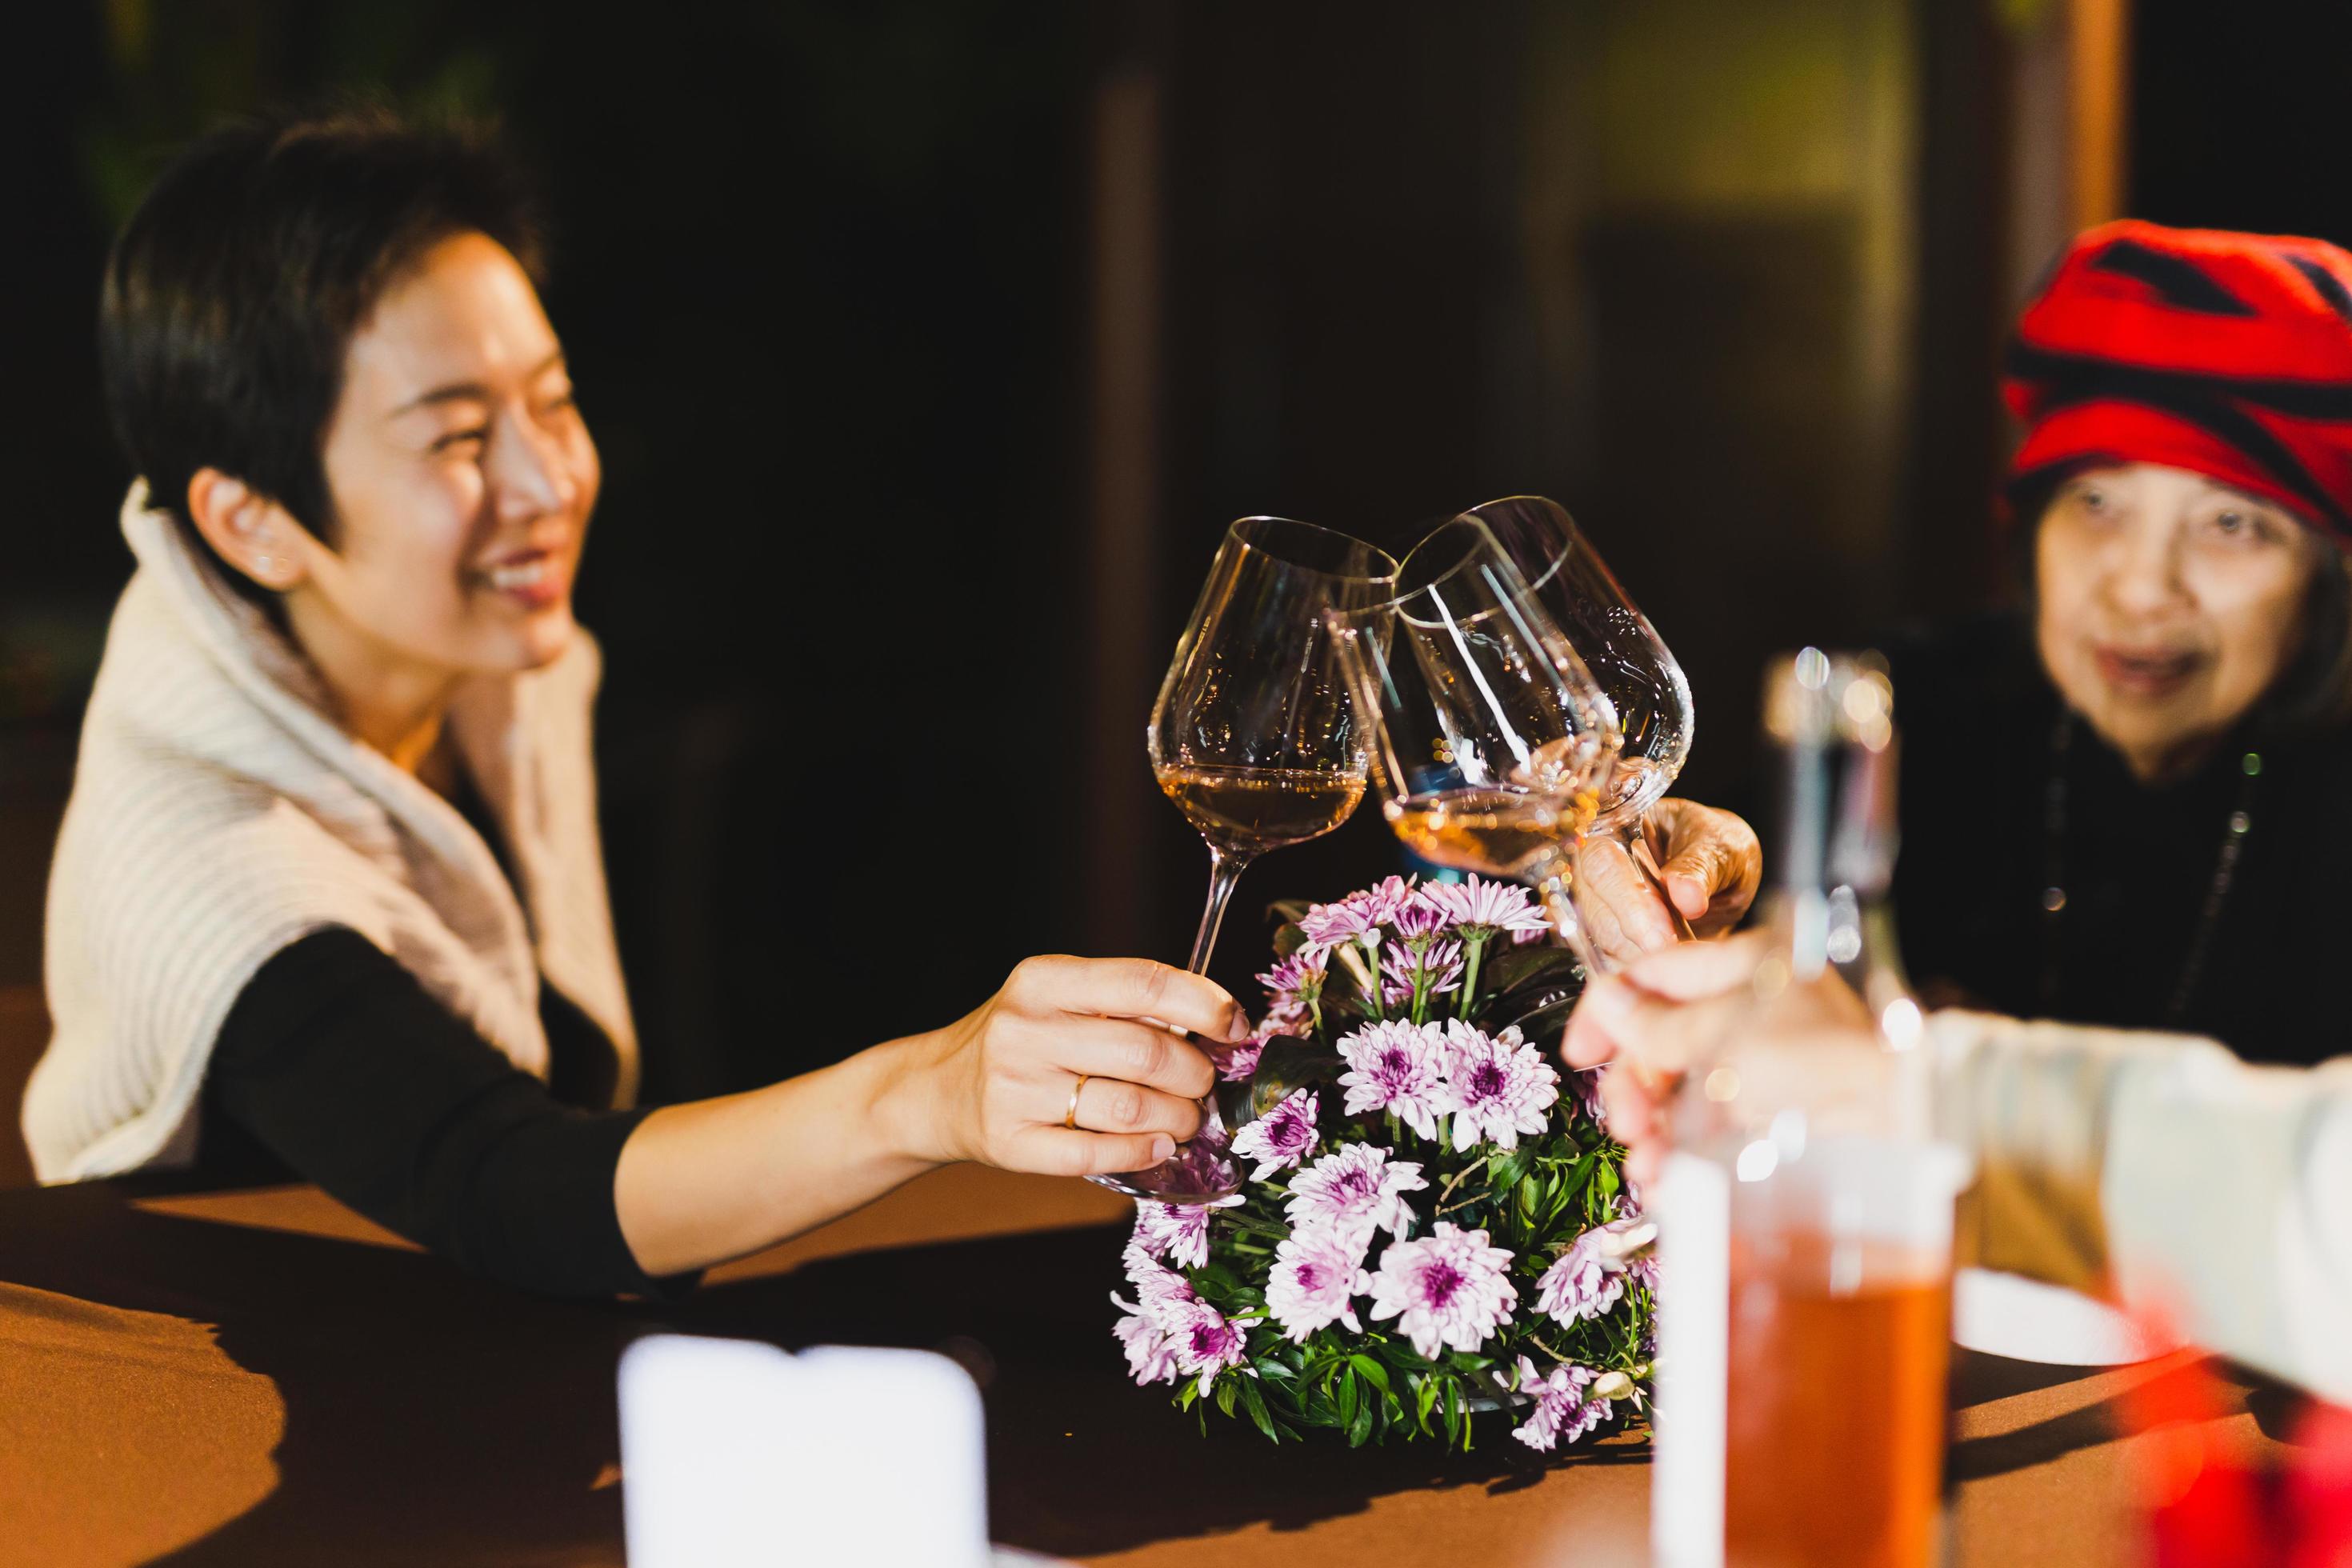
(1653, 1020)
(996, 1083)
(1710, 865)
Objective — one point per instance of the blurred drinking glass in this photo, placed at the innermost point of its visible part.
(1494, 742)
(1256, 739)
(1805, 1220)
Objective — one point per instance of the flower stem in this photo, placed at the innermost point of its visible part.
(1458, 1177)
(1477, 946)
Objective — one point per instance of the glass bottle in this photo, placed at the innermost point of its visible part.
(1805, 1218)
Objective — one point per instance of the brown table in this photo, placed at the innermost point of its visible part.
(261, 1376)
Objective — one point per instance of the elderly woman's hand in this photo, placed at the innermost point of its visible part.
(1654, 1021)
(997, 1085)
(1710, 865)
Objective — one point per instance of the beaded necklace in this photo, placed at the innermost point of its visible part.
(2234, 829)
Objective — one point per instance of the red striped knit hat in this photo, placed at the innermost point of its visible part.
(2227, 354)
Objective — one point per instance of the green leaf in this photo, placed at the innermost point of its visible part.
(1527, 1199)
(1347, 1406)
(1192, 1392)
(1452, 1411)
(1225, 1397)
(1505, 1174)
(1424, 1400)
(1360, 1428)
(1374, 1373)
(1256, 1402)
(1267, 1367)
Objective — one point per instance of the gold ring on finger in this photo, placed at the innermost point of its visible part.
(1070, 1116)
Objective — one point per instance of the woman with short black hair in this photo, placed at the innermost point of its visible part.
(328, 887)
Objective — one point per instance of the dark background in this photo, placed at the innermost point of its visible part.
(931, 344)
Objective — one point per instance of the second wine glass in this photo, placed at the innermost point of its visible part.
(1495, 742)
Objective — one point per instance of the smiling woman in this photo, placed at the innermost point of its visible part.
(329, 895)
(2128, 808)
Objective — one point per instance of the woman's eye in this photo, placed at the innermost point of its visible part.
(457, 438)
(2244, 528)
(2092, 500)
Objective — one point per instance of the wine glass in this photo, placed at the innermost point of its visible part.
(1494, 741)
(1256, 738)
(1634, 668)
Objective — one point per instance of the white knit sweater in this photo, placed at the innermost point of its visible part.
(220, 813)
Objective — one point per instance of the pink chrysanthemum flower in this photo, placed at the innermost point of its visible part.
(1150, 1351)
(1296, 979)
(1562, 1414)
(1315, 1275)
(1238, 1064)
(1396, 1066)
(1354, 1190)
(1501, 1086)
(1589, 1278)
(1282, 1137)
(1157, 1287)
(1204, 1341)
(1583, 1087)
(1447, 1288)
(1418, 918)
(1352, 919)
(1479, 906)
(1390, 898)
(1178, 1232)
(1438, 968)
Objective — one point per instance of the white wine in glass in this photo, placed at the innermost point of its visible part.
(1256, 738)
(1495, 742)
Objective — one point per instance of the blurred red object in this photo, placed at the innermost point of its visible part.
(2210, 1506)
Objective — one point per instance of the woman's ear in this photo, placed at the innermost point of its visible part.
(248, 530)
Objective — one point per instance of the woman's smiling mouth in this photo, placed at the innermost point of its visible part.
(2146, 672)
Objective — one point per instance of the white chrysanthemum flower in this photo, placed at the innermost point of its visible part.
(1501, 1086)
(1354, 1190)
(1449, 1288)
(1316, 1275)
(1398, 1066)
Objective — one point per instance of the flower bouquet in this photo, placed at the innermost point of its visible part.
(1430, 1226)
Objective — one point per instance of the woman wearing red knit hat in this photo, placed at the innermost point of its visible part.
(2133, 806)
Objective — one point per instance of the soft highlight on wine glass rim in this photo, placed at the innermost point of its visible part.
(1290, 541)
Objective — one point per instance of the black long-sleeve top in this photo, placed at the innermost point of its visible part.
(2138, 862)
(336, 1064)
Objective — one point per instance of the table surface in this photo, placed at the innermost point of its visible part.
(258, 1376)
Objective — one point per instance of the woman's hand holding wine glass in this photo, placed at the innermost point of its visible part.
(1255, 739)
(1075, 1067)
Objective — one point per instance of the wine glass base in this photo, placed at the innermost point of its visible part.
(1200, 1171)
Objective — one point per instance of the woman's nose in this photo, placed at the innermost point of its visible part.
(2143, 572)
(532, 472)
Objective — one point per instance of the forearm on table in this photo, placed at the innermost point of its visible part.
(701, 1183)
(2182, 1180)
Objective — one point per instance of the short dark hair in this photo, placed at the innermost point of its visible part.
(234, 290)
(2313, 692)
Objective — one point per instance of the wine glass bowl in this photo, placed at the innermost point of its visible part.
(1635, 669)
(1494, 742)
(1256, 738)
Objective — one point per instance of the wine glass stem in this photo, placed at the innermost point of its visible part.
(1556, 886)
(1225, 870)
